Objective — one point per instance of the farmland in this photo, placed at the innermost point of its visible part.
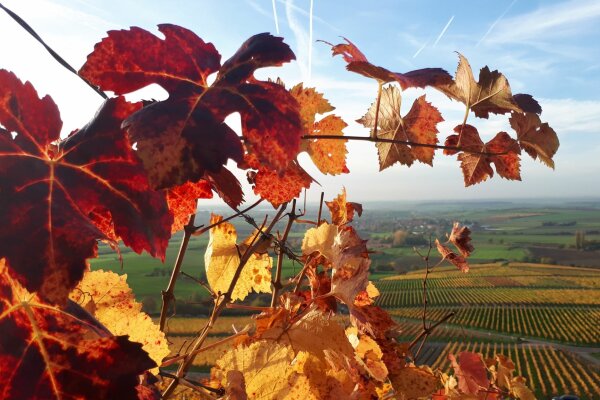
(533, 292)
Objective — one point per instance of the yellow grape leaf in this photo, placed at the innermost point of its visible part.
(315, 333)
(222, 259)
(369, 352)
(266, 367)
(109, 298)
(415, 382)
(520, 390)
(320, 239)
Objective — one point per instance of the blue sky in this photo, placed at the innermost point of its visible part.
(550, 49)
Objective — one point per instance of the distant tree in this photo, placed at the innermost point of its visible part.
(399, 238)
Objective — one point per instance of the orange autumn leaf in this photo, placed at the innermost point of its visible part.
(329, 155)
(470, 371)
(342, 211)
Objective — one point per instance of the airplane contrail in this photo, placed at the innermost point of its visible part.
(443, 31)
(420, 49)
(275, 17)
(496, 22)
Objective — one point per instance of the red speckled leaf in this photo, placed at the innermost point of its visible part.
(502, 151)
(277, 188)
(51, 191)
(182, 201)
(52, 353)
(357, 62)
(180, 138)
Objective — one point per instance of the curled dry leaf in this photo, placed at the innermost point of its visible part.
(369, 352)
(108, 297)
(502, 151)
(350, 262)
(342, 211)
(50, 351)
(180, 138)
(52, 191)
(459, 261)
(418, 126)
(491, 94)
(222, 259)
(538, 139)
(461, 238)
(357, 62)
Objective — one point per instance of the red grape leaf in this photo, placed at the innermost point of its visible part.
(48, 352)
(461, 238)
(329, 155)
(536, 138)
(180, 138)
(470, 371)
(459, 261)
(51, 190)
(342, 211)
(182, 201)
(502, 151)
(357, 62)
(419, 126)
(490, 95)
(277, 188)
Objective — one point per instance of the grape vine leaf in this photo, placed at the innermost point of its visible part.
(358, 63)
(350, 265)
(459, 261)
(369, 352)
(222, 259)
(470, 371)
(329, 155)
(477, 157)
(180, 138)
(47, 352)
(182, 201)
(414, 382)
(51, 190)
(461, 238)
(276, 187)
(418, 126)
(320, 239)
(107, 296)
(342, 211)
(538, 139)
(491, 94)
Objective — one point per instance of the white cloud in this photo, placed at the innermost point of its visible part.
(558, 20)
(572, 116)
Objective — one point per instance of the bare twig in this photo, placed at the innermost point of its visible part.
(320, 208)
(199, 230)
(168, 295)
(221, 303)
(406, 142)
(276, 283)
